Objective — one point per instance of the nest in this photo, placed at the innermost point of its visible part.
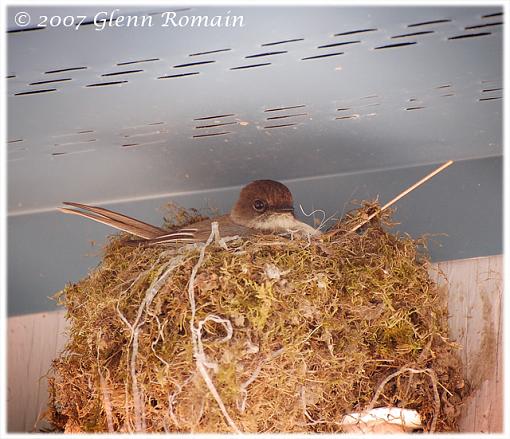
(261, 334)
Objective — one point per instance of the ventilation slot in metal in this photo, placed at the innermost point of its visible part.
(133, 145)
(491, 99)
(282, 42)
(325, 55)
(284, 108)
(427, 23)
(393, 46)
(179, 75)
(344, 43)
(137, 62)
(209, 52)
(35, 92)
(215, 125)
(284, 125)
(257, 55)
(354, 32)
(124, 72)
(351, 116)
(214, 117)
(478, 26)
(30, 29)
(150, 133)
(286, 116)
(50, 81)
(69, 69)
(191, 64)
(460, 37)
(250, 66)
(414, 34)
(198, 136)
(496, 14)
(56, 154)
(105, 84)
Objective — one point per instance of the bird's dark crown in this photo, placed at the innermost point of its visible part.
(261, 197)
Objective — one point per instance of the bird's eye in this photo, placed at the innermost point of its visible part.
(259, 205)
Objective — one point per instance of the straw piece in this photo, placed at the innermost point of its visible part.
(403, 194)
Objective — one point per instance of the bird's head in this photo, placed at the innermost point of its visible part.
(267, 205)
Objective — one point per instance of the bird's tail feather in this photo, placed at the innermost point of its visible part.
(116, 220)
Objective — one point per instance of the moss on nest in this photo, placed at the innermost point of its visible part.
(294, 334)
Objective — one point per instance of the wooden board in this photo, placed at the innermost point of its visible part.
(475, 307)
(34, 340)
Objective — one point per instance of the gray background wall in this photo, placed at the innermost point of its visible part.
(375, 115)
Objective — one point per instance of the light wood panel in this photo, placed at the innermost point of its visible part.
(475, 309)
(34, 340)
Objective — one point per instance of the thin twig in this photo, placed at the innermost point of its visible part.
(147, 300)
(154, 342)
(195, 332)
(134, 383)
(144, 416)
(433, 378)
(437, 399)
(104, 389)
(171, 400)
(402, 194)
(243, 388)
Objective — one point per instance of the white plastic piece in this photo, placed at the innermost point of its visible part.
(382, 420)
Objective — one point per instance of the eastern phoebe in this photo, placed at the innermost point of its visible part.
(264, 206)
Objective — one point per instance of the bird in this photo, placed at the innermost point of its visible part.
(263, 206)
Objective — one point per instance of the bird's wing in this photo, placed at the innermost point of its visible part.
(198, 232)
(195, 232)
(114, 219)
(170, 239)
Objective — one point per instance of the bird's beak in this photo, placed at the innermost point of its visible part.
(284, 209)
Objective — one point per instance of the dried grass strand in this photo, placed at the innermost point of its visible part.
(104, 390)
(149, 297)
(198, 351)
(403, 194)
(428, 372)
